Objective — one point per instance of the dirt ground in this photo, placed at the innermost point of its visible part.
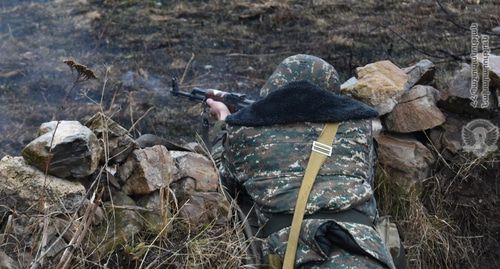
(135, 47)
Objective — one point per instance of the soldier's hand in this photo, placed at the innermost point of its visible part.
(218, 109)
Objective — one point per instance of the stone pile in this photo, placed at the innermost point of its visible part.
(137, 189)
(418, 122)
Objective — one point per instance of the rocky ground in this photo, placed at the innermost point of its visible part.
(134, 47)
(117, 201)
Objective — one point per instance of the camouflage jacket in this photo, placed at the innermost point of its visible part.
(270, 170)
(268, 162)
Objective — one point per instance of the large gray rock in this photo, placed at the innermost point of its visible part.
(147, 170)
(457, 97)
(406, 160)
(117, 142)
(66, 148)
(198, 167)
(416, 111)
(24, 186)
(421, 73)
(379, 84)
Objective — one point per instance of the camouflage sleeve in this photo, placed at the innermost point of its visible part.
(219, 133)
(219, 146)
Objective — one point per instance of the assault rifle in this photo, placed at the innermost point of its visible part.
(233, 101)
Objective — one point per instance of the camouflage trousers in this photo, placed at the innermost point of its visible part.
(327, 243)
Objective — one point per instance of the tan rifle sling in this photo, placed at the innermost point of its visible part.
(320, 151)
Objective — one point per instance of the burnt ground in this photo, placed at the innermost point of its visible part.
(134, 47)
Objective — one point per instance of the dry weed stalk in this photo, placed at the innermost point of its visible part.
(83, 72)
(40, 256)
(81, 232)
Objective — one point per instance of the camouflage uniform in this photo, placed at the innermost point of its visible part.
(268, 163)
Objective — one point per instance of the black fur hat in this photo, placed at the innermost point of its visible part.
(301, 101)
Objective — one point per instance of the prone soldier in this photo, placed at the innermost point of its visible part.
(266, 149)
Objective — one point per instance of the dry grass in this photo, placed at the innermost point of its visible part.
(441, 226)
(431, 240)
(212, 245)
(179, 245)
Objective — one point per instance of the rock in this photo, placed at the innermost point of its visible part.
(128, 221)
(457, 97)
(459, 86)
(498, 97)
(23, 232)
(124, 223)
(24, 186)
(496, 30)
(377, 127)
(149, 140)
(379, 84)
(198, 167)
(6, 262)
(203, 207)
(447, 138)
(147, 170)
(406, 160)
(10, 74)
(416, 111)
(18, 237)
(183, 188)
(422, 73)
(322, 3)
(194, 147)
(494, 68)
(58, 244)
(70, 149)
(117, 141)
(349, 84)
(65, 227)
(157, 220)
(390, 235)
